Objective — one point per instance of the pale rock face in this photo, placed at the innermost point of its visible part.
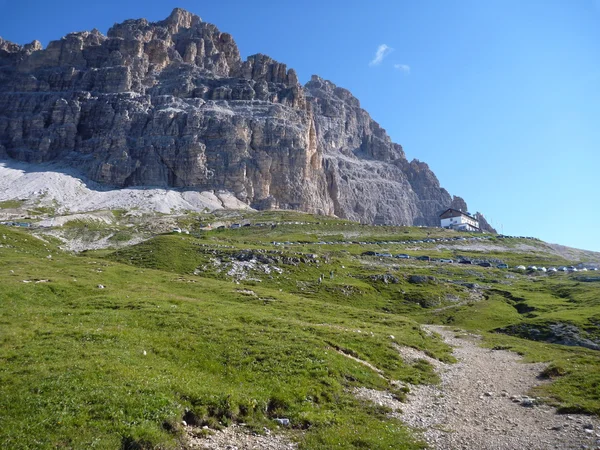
(171, 104)
(459, 203)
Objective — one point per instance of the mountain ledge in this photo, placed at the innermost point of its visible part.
(172, 104)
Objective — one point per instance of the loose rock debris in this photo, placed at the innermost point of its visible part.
(481, 403)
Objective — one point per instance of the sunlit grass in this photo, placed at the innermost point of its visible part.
(112, 349)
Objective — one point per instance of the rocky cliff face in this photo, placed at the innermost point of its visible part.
(172, 104)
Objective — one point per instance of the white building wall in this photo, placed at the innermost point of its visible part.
(453, 222)
(447, 223)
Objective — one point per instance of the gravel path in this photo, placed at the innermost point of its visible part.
(481, 404)
(236, 437)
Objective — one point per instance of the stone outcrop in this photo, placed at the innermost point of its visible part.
(555, 333)
(172, 104)
(459, 204)
(484, 224)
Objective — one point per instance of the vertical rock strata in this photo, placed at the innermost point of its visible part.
(172, 104)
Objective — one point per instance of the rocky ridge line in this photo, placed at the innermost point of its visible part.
(172, 104)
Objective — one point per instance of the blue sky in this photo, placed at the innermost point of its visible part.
(500, 97)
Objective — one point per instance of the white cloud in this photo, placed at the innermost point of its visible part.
(404, 68)
(382, 51)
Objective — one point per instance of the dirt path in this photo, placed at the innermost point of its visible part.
(482, 404)
(238, 438)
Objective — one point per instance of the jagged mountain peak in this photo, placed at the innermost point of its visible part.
(178, 20)
(328, 88)
(172, 104)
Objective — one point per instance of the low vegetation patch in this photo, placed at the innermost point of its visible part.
(113, 349)
(11, 204)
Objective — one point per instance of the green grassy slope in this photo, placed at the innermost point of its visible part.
(227, 327)
(73, 359)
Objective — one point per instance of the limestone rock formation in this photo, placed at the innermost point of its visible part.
(172, 104)
(484, 225)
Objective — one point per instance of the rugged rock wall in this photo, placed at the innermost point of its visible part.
(172, 104)
(484, 224)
